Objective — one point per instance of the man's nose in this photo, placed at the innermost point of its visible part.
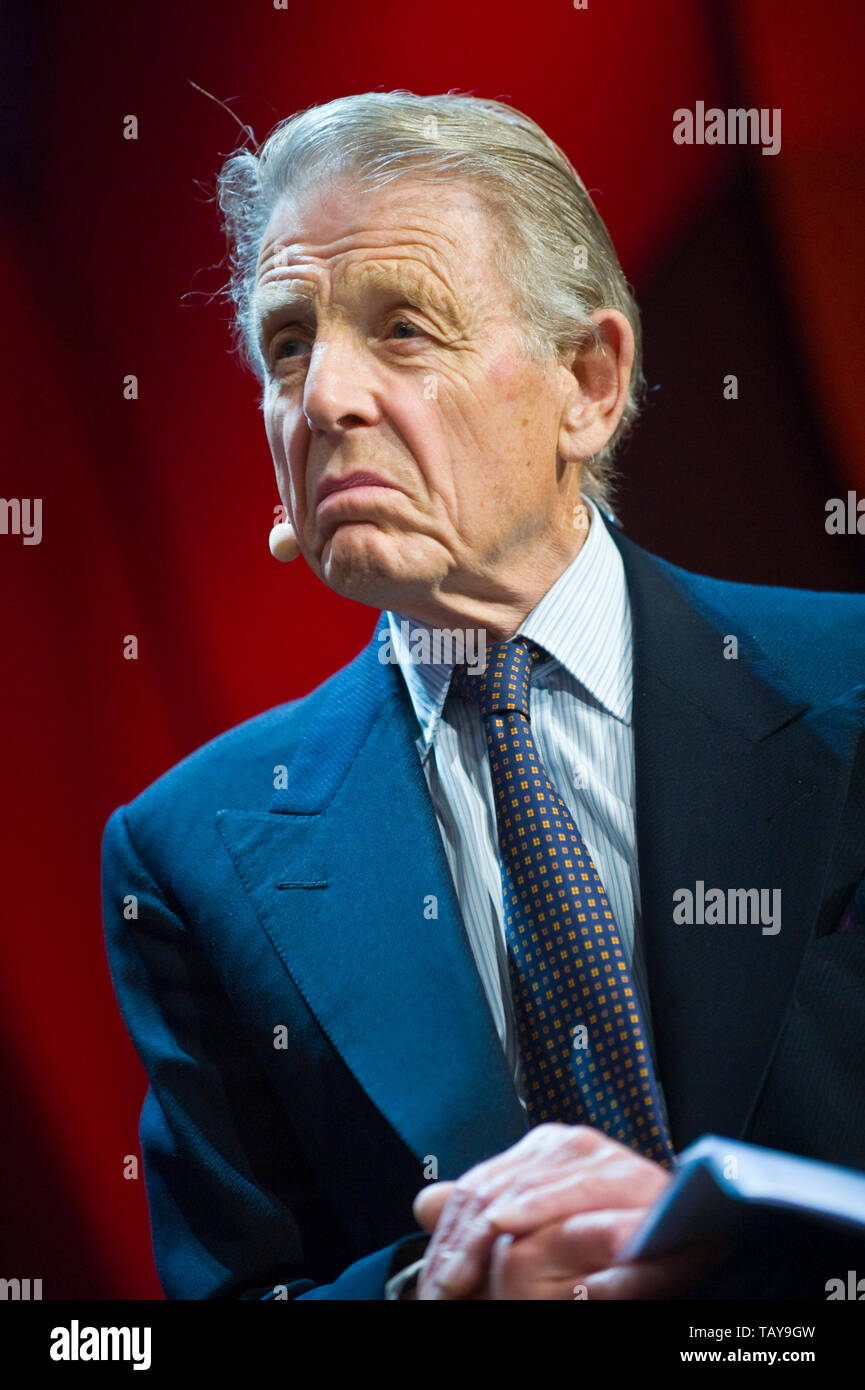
(338, 393)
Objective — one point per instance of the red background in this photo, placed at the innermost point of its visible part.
(156, 512)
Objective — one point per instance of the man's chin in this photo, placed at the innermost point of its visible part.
(364, 563)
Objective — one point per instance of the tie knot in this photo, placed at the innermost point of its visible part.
(503, 688)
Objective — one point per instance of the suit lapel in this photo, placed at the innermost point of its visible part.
(739, 784)
(348, 877)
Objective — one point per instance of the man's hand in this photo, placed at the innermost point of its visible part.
(548, 1215)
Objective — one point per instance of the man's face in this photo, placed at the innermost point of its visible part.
(415, 445)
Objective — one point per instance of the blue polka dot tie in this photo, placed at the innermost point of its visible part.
(582, 1042)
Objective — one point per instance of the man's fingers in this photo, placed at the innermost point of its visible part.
(429, 1203)
(543, 1199)
(551, 1173)
(549, 1262)
(461, 1224)
(457, 1253)
(587, 1242)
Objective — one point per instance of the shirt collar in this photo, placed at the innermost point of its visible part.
(594, 647)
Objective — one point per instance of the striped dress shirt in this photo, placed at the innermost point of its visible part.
(581, 704)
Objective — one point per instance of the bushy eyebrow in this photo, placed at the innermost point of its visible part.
(427, 291)
(279, 297)
(283, 296)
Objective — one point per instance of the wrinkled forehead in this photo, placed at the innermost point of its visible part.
(415, 239)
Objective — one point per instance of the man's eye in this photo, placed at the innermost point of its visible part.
(404, 323)
(283, 348)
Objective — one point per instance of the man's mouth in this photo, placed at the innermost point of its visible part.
(330, 485)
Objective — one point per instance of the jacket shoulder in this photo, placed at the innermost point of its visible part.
(235, 769)
(816, 637)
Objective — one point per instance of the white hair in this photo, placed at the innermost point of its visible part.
(555, 251)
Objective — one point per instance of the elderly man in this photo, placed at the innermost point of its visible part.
(426, 923)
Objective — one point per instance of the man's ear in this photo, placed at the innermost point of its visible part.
(597, 387)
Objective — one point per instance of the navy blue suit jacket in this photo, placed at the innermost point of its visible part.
(312, 1039)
